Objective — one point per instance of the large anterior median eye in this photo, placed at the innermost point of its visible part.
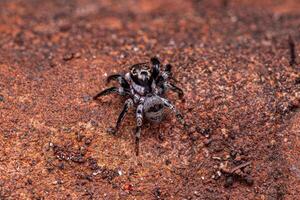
(145, 73)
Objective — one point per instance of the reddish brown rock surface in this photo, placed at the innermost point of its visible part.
(231, 57)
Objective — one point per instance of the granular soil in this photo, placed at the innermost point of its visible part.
(237, 61)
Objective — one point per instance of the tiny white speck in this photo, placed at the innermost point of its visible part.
(233, 19)
(120, 172)
(172, 42)
(96, 172)
(105, 74)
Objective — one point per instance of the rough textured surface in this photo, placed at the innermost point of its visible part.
(231, 57)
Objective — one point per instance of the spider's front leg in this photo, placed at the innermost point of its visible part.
(167, 74)
(128, 103)
(155, 68)
(120, 79)
(178, 115)
(120, 91)
(174, 88)
(139, 123)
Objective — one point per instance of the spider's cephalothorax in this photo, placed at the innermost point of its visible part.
(144, 86)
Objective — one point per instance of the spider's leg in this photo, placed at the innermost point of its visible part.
(174, 88)
(113, 77)
(120, 79)
(155, 68)
(120, 91)
(137, 139)
(164, 75)
(167, 73)
(139, 122)
(168, 68)
(178, 115)
(128, 103)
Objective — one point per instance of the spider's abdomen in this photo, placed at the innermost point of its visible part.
(153, 108)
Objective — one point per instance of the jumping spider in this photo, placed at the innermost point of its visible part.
(145, 86)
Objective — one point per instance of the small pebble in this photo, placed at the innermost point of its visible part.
(247, 169)
(111, 130)
(1, 98)
(77, 55)
(167, 162)
(228, 181)
(61, 165)
(273, 142)
(83, 150)
(207, 141)
(224, 132)
(87, 141)
(67, 56)
(58, 182)
(238, 172)
(233, 153)
(249, 180)
(206, 153)
(120, 172)
(86, 98)
(197, 194)
(29, 181)
(79, 137)
(238, 158)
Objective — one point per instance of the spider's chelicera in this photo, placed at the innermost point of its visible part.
(145, 86)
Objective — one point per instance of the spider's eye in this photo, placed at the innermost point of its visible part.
(144, 73)
(133, 72)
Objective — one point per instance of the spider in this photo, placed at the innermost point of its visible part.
(144, 86)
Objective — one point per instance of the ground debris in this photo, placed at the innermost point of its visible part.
(66, 154)
(103, 172)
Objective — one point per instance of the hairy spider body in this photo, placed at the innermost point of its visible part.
(145, 86)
